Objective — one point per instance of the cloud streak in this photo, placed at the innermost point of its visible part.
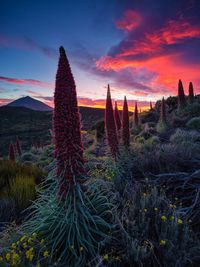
(31, 82)
(27, 44)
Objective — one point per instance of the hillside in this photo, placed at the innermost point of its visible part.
(34, 126)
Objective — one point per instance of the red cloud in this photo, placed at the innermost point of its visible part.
(160, 52)
(130, 21)
(25, 81)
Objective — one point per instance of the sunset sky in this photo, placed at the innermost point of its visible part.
(140, 47)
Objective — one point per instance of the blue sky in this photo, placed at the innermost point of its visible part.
(140, 47)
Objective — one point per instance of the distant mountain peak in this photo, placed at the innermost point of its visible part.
(31, 103)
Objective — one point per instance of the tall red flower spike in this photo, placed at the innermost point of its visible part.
(136, 119)
(125, 125)
(151, 107)
(18, 146)
(181, 95)
(163, 117)
(11, 153)
(117, 118)
(66, 126)
(111, 131)
(191, 93)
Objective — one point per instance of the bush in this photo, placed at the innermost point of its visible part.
(182, 136)
(28, 158)
(149, 231)
(194, 123)
(22, 190)
(161, 127)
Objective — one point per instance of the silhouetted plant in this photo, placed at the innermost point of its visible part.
(191, 93)
(18, 146)
(11, 153)
(181, 95)
(117, 118)
(163, 117)
(125, 125)
(75, 221)
(111, 131)
(66, 125)
(151, 107)
(136, 119)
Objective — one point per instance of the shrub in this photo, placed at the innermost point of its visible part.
(194, 123)
(22, 190)
(149, 231)
(182, 136)
(28, 158)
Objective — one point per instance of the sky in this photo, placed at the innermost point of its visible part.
(140, 47)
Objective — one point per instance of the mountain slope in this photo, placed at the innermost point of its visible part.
(29, 102)
(33, 127)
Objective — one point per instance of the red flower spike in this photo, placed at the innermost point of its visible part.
(111, 132)
(125, 125)
(66, 126)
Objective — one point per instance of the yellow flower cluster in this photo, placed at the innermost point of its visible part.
(163, 218)
(162, 242)
(22, 250)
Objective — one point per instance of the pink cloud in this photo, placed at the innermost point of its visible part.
(25, 81)
(130, 21)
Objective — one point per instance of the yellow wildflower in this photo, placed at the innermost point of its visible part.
(8, 256)
(81, 248)
(24, 245)
(172, 217)
(38, 264)
(1, 258)
(30, 254)
(15, 259)
(13, 246)
(162, 242)
(163, 218)
(171, 206)
(145, 210)
(180, 221)
(42, 242)
(30, 240)
(34, 235)
(46, 254)
(22, 238)
(155, 209)
(144, 194)
(105, 257)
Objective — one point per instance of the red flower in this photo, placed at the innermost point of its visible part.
(111, 132)
(18, 146)
(66, 125)
(136, 119)
(191, 92)
(125, 125)
(117, 117)
(181, 95)
(11, 153)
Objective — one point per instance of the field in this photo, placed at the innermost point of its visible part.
(123, 191)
